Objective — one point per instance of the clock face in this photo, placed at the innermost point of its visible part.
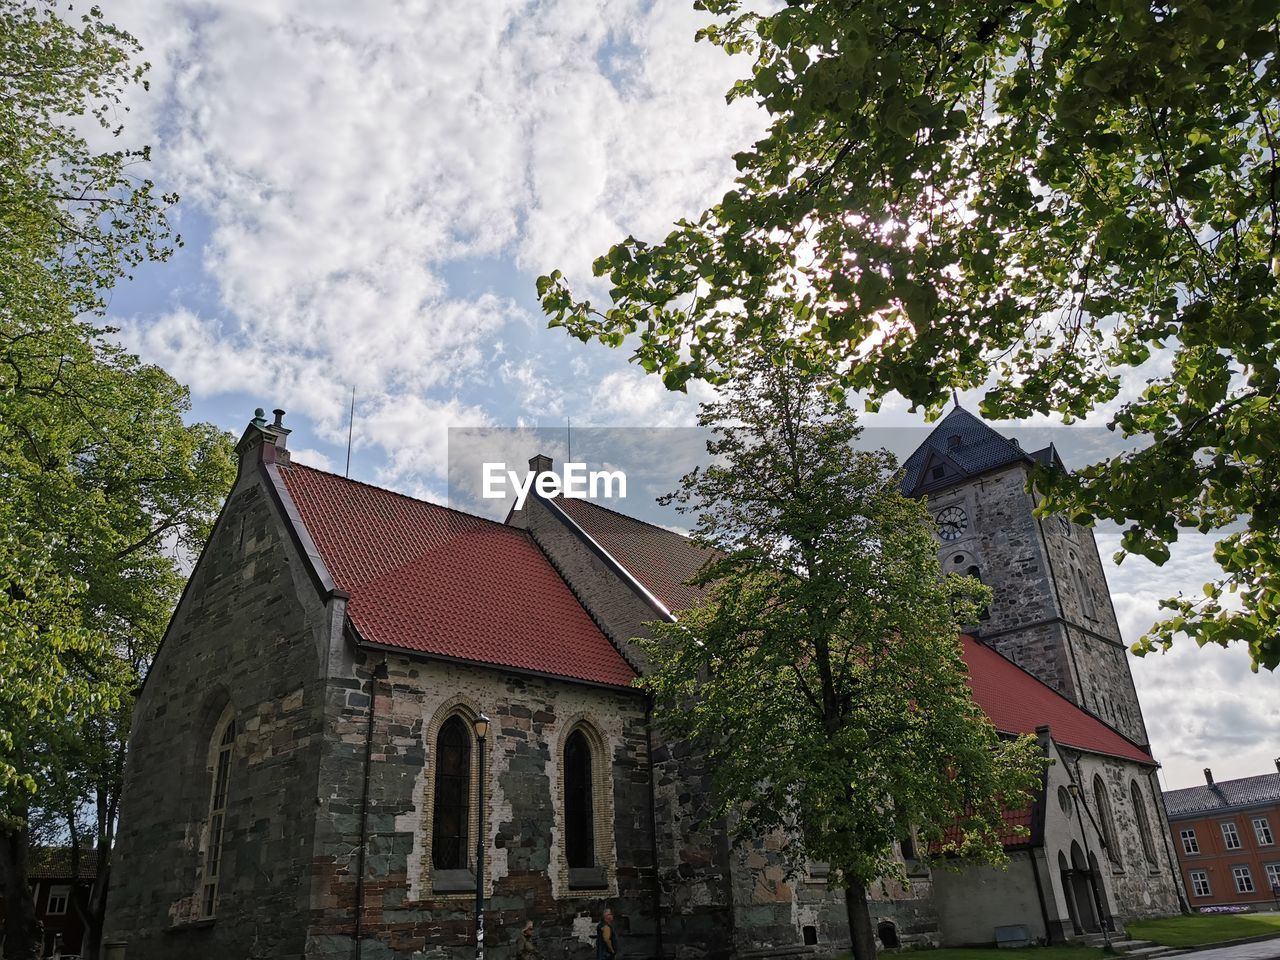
(1065, 523)
(952, 523)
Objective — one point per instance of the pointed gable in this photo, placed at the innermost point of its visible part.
(427, 579)
(960, 446)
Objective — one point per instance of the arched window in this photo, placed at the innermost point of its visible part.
(1082, 589)
(451, 811)
(225, 740)
(974, 572)
(1144, 825)
(1106, 823)
(579, 810)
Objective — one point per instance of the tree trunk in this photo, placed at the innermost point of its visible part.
(96, 911)
(22, 931)
(860, 932)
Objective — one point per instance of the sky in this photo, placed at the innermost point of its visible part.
(369, 192)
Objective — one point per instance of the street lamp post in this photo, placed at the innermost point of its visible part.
(481, 726)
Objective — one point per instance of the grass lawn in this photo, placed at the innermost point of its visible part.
(1204, 928)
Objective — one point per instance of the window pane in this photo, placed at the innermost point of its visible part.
(452, 808)
(1262, 830)
(1230, 837)
(579, 810)
(1189, 842)
(1244, 880)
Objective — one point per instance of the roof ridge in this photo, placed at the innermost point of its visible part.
(397, 493)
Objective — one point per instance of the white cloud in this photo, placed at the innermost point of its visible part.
(344, 156)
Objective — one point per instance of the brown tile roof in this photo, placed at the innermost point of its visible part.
(662, 560)
(54, 863)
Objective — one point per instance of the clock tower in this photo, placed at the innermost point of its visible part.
(1051, 612)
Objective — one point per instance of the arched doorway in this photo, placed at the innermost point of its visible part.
(1077, 887)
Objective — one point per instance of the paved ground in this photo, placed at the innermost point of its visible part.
(1262, 950)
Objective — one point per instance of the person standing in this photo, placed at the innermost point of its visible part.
(606, 937)
(525, 950)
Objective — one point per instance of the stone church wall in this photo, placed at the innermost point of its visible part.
(694, 868)
(1140, 884)
(405, 915)
(245, 641)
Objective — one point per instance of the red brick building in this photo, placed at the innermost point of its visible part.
(1225, 835)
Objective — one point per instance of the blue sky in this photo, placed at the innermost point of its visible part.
(369, 192)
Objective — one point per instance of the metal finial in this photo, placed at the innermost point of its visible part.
(259, 417)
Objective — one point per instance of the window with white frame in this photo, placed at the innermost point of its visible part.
(1200, 883)
(1273, 876)
(1190, 845)
(1262, 830)
(1230, 837)
(217, 819)
(59, 897)
(1244, 879)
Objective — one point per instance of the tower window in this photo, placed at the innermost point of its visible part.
(451, 812)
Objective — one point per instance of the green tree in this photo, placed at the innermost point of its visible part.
(103, 486)
(823, 671)
(1035, 196)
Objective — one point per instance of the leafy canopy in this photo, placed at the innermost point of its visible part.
(1049, 199)
(103, 486)
(822, 672)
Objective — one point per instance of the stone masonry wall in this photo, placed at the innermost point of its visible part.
(1141, 880)
(1003, 541)
(405, 915)
(245, 641)
(1101, 658)
(694, 864)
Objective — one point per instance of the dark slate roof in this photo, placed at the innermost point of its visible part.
(1224, 795)
(961, 445)
(54, 863)
(426, 578)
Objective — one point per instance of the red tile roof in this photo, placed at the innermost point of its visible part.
(662, 560)
(426, 578)
(1010, 839)
(1017, 703)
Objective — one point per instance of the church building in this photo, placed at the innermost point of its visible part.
(365, 703)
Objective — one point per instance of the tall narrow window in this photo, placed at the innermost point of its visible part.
(579, 810)
(1085, 594)
(451, 811)
(1144, 825)
(1105, 821)
(217, 821)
